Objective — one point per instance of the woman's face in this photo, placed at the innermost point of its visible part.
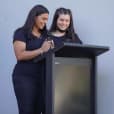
(41, 20)
(63, 21)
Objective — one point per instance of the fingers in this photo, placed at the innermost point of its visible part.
(51, 44)
(47, 45)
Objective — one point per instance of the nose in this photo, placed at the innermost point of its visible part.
(64, 22)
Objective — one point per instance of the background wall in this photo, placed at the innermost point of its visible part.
(94, 22)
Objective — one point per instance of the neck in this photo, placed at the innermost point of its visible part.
(58, 33)
(36, 32)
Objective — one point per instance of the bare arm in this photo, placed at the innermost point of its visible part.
(22, 54)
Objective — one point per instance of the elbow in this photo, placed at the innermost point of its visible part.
(19, 57)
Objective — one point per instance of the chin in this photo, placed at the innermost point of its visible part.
(41, 28)
(63, 29)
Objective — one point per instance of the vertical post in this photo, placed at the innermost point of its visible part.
(93, 86)
(49, 83)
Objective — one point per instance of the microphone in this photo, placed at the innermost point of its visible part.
(49, 36)
(40, 57)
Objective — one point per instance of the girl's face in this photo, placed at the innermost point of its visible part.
(63, 21)
(41, 20)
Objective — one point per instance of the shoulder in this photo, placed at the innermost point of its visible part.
(18, 31)
(77, 39)
(19, 34)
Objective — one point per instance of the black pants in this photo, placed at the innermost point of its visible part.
(30, 93)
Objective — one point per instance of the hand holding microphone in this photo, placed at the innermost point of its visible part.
(49, 38)
(48, 43)
(46, 46)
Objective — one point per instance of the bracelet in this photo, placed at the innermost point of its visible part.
(41, 51)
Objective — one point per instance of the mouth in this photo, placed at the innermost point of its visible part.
(63, 27)
(42, 26)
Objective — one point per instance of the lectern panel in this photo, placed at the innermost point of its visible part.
(71, 85)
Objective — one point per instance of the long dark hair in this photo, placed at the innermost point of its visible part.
(30, 21)
(70, 33)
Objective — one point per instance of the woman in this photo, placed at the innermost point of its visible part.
(29, 76)
(62, 28)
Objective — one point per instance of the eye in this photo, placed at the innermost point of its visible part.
(44, 18)
(61, 19)
(67, 20)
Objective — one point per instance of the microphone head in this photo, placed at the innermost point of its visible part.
(49, 36)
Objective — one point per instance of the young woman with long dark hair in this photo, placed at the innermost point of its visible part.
(29, 76)
(62, 28)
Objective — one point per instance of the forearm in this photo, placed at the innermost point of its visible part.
(27, 55)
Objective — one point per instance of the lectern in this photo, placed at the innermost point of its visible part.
(71, 79)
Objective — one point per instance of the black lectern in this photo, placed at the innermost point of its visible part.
(70, 79)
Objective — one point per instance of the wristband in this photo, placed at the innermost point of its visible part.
(41, 51)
